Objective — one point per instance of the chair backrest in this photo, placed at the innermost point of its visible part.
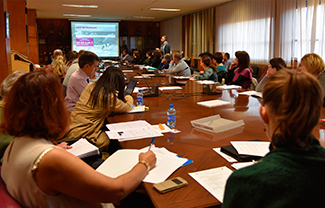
(255, 71)
(253, 84)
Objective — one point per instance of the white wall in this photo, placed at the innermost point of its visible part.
(172, 28)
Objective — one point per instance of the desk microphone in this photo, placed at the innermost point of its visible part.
(153, 91)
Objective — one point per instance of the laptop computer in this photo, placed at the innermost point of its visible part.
(130, 87)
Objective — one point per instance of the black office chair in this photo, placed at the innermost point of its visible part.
(255, 71)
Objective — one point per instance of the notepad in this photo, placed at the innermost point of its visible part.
(124, 160)
(82, 149)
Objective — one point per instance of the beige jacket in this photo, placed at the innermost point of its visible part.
(88, 122)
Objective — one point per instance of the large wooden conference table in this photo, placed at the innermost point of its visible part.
(193, 143)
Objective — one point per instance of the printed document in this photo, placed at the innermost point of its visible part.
(131, 130)
(213, 180)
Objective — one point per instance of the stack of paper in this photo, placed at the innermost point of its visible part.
(205, 82)
(252, 93)
(251, 148)
(123, 161)
(228, 87)
(82, 148)
(213, 180)
(213, 103)
(131, 130)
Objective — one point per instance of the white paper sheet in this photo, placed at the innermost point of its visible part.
(213, 180)
(141, 77)
(170, 88)
(165, 130)
(252, 93)
(228, 87)
(251, 148)
(137, 109)
(127, 70)
(206, 82)
(131, 130)
(242, 165)
(227, 157)
(123, 161)
(213, 103)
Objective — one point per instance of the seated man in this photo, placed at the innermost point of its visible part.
(88, 63)
(178, 66)
(73, 67)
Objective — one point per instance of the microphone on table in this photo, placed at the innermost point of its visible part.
(153, 91)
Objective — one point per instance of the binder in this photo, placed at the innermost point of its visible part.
(232, 152)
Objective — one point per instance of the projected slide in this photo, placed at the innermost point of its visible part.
(98, 37)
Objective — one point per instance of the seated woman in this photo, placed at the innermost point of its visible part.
(314, 64)
(156, 59)
(96, 103)
(39, 174)
(275, 65)
(165, 62)
(292, 173)
(136, 58)
(5, 87)
(209, 70)
(240, 72)
(217, 59)
(221, 70)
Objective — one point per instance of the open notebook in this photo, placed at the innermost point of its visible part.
(82, 148)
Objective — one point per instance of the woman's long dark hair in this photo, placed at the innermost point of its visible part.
(109, 84)
(243, 60)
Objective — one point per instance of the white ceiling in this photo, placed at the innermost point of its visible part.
(115, 10)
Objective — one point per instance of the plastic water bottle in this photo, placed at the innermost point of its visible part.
(140, 98)
(171, 116)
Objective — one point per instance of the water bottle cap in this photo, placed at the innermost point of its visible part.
(140, 90)
(171, 105)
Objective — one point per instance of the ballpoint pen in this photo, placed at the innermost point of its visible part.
(153, 139)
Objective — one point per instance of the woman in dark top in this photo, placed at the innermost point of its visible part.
(240, 73)
(157, 59)
(136, 58)
(292, 174)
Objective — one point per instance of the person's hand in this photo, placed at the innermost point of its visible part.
(64, 145)
(270, 72)
(192, 77)
(164, 61)
(232, 66)
(149, 157)
(164, 70)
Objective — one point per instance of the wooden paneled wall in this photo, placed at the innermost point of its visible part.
(5, 64)
(18, 32)
(52, 34)
(32, 36)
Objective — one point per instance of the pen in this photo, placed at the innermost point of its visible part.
(55, 143)
(153, 139)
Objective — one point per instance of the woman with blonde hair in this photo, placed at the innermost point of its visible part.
(314, 64)
(59, 67)
(292, 174)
